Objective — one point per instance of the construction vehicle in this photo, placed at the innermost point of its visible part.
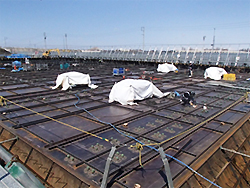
(48, 54)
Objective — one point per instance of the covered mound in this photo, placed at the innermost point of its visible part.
(166, 68)
(128, 90)
(214, 73)
(69, 79)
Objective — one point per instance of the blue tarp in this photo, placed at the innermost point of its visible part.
(18, 56)
(17, 63)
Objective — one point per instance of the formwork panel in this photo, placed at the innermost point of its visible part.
(122, 156)
(29, 90)
(184, 108)
(168, 131)
(222, 103)
(39, 163)
(184, 89)
(230, 117)
(21, 149)
(228, 178)
(192, 119)
(192, 182)
(91, 147)
(156, 102)
(206, 171)
(239, 137)
(8, 87)
(242, 107)
(144, 124)
(141, 107)
(233, 97)
(56, 131)
(201, 140)
(82, 107)
(18, 113)
(61, 178)
(221, 127)
(152, 174)
(206, 111)
(65, 103)
(169, 114)
(29, 119)
(205, 100)
(217, 162)
(216, 94)
(111, 114)
(6, 93)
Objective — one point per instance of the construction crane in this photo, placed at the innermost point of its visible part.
(47, 54)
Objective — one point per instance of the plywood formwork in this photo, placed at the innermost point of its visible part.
(66, 147)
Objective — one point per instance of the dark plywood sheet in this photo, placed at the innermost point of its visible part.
(167, 131)
(111, 114)
(222, 103)
(56, 131)
(214, 125)
(184, 108)
(156, 102)
(230, 117)
(242, 107)
(145, 124)
(201, 140)
(152, 174)
(169, 114)
(6, 93)
(29, 90)
(205, 100)
(206, 111)
(216, 94)
(14, 86)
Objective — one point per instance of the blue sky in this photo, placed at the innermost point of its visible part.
(107, 23)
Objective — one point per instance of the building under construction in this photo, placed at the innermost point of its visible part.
(77, 139)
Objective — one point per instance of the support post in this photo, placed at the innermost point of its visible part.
(107, 166)
(167, 168)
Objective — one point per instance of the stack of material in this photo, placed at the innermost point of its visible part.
(69, 79)
(214, 73)
(166, 68)
(126, 91)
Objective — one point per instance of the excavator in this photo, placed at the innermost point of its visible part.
(47, 54)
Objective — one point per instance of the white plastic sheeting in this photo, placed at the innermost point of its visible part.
(69, 79)
(166, 68)
(214, 73)
(128, 90)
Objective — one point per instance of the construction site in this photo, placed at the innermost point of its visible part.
(76, 138)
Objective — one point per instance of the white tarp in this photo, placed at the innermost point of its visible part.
(166, 68)
(128, 90)
(69, 79)
(214, 73)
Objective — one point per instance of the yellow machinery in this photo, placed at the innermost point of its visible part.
(47, 53)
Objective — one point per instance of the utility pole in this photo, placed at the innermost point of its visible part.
(5, 38)
(214, 39)
(45, 37)
(143, 37)
(66, 41)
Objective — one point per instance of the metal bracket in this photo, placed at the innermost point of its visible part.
(107, 166)
(233, 151)
(167, 168)
(9, 140)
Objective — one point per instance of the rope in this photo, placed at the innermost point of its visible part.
(139, 147)
(2, 101)
(141, 144)
(68, 125)
(192, 128)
